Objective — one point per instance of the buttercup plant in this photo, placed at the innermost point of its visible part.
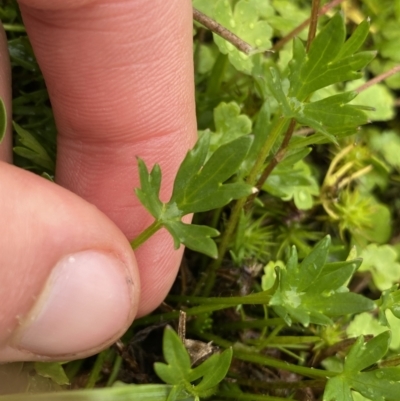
(285, 139)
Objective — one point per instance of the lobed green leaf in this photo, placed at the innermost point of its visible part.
(315, 291)
(148, 193)
(205, 190)
(362, 355)
(30, 148)
(377, 384)
(213, 370)
(177, 358)
(195, 237)
(330, 59)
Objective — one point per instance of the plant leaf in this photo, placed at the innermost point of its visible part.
(53, 371)
(330, 59)
(213, 370)
(229, 125)
(179, 373)
(381, 262)
(31, 149)
(177, 358)
(332, 115)
(150, 188)
(205, 189)
(293, 182)
(195, 237)
(377, 384)
(245, 22)
(314, 291)
(199, 186)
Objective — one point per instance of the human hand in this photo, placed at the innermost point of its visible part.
(120, 78)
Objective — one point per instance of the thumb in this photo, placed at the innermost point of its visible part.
(69, 281)
(69, 284)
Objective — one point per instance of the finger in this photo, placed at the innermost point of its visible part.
(120, 79)
(69, 280)
(5, 95)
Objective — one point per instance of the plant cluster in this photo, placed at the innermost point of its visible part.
(292, 267)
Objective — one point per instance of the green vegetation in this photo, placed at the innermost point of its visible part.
(297, 166)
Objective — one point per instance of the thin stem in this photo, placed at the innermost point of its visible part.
(130, 392)
(218, 29)
(286, 341)
(275, 363)
(96, 370)
(267, 361)
(115, 370)
(251, 324)
(146, 234)
(166, 317)
(313, 23)
(235, 395)
(14, 28)
(378, 79)
(253, 299)
(217, 75)
(273, 163)
(209, 278)
(278, 45)
(337, 159)
(281, 384)
(354, 176)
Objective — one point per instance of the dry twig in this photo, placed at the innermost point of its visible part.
(218, 29)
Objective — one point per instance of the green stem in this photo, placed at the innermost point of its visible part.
(281, 384)
(217, 75)
(285, 341)
(115, 370)
(267, 361)
(131, 392)
(166, 317)
(146, 234)
(251, 324)
(14, 28)
(275, 363)
(253, 299)
(235, 395)
(209, 278)
(96, 370)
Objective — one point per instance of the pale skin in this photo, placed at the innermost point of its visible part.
(120, 78)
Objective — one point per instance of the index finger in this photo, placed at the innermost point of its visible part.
(120, 79)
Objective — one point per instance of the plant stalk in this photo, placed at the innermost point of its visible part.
(146, 234)
(313, 22)
(235, 395)
(96, 370)
(208, 279)
(225, 33)
(267, 361)
(379, 78)
(253, 299)
(282, 42)
(273, 163)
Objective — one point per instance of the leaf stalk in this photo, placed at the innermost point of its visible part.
(146, 234)
(208, 279)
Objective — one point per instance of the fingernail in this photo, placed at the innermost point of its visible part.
(85, 303)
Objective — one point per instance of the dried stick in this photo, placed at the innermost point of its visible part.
(278, 45)
(313, 22)
(378, 79)
(218, 29)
